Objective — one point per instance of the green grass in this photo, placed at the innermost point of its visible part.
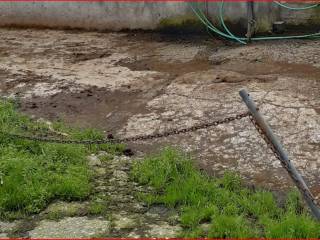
(232, 210)
(97, 208)
(32, 174)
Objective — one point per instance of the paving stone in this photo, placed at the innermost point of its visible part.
(70, 227)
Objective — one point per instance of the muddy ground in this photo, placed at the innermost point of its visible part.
(140, 83)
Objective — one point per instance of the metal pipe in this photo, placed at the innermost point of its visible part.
(250, 20)
(283, 156)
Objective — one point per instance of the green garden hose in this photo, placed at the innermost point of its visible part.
(296, 8)
(221, 12)
(201, 16)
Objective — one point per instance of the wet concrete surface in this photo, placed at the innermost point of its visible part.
(142, 83)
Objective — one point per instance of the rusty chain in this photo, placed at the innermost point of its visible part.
(305, 192)
(111, 139)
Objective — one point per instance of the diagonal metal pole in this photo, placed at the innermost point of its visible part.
(281, 153)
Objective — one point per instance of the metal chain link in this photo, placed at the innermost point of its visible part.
(111, 139)
(305, 192)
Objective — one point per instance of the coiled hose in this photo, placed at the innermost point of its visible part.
(229, 35)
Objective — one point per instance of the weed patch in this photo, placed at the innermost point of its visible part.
(230, 209)
(32, 173)
(97, 208)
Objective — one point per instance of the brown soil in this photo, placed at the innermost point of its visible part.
(139, 83)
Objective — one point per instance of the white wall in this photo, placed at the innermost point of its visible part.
(121, 15)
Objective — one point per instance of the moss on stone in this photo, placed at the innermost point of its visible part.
(97, 208)
(60, 210)
(315, 16)
(263, 25)
(183, 23)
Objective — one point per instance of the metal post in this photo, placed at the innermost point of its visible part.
(250, 19)
(283, 156)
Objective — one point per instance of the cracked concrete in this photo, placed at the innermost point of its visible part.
(76, 227)
(141, 83)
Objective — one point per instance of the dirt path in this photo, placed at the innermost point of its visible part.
(140, 83)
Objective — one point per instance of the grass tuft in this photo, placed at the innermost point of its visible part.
(33, 174)
(232, 210)
(97, 208)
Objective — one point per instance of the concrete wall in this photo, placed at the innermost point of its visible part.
(117, 16)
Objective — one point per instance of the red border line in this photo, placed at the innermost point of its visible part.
(159, 1)
(159, 238)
